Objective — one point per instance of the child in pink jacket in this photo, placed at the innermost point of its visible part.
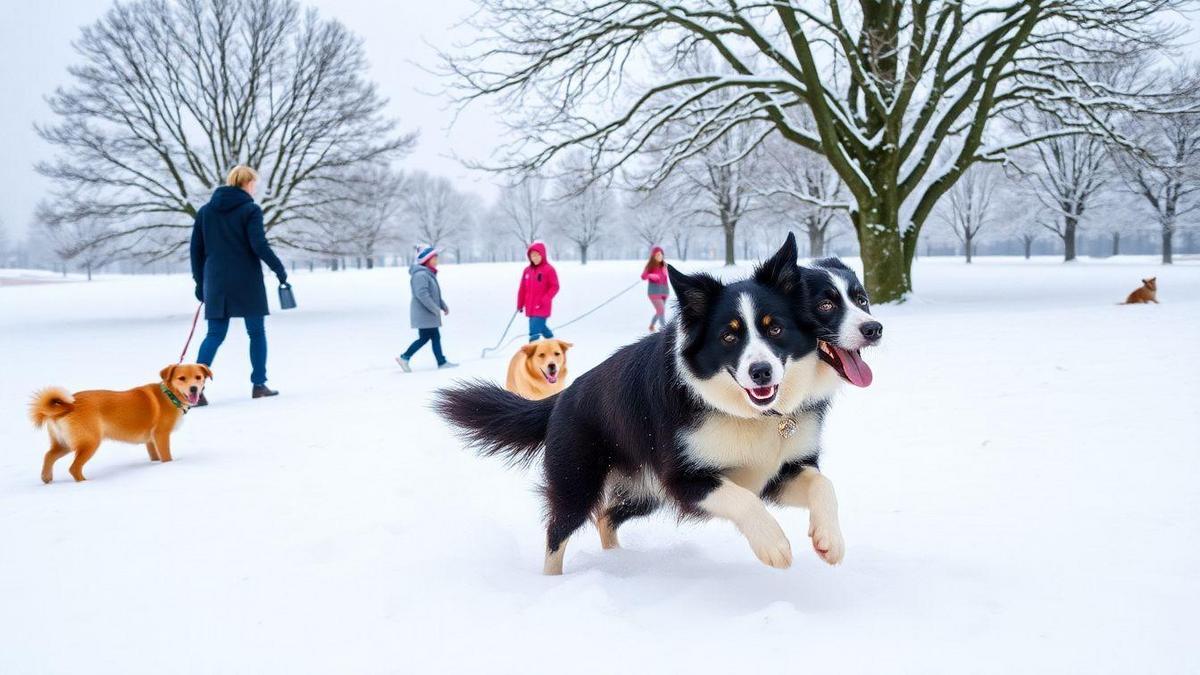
(539, 285)
(658, 287)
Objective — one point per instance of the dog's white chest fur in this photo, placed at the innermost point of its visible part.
(750, 451)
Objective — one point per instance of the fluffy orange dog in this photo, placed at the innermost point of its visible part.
(1146, 294)
(539, 369)
(147, 414)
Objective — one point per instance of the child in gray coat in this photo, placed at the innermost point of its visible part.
(426, 309)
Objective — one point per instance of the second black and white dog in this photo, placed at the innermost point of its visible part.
(714, 417)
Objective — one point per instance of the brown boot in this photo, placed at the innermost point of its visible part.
(261, 391)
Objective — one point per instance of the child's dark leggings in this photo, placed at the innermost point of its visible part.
(427, 335)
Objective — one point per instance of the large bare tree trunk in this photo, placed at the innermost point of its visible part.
(816, 243)
(886, 264)
(1116, 242)
(1070, 225)
(730, 246)
(1168, 243)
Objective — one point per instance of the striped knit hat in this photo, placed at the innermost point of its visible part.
(425, 254)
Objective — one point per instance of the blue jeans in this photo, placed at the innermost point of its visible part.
(538, 328)
(427, 335)
(218, 328)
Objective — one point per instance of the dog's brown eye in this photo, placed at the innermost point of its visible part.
(557, 353)
(825, 306)
(774, 331)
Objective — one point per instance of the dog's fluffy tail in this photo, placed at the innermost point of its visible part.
(50, 404)
(496, 421)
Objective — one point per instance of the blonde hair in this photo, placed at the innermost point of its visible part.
(240, 176)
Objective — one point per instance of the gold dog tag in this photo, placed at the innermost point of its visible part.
(788, 427)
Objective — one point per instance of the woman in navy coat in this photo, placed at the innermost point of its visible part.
(228, 243)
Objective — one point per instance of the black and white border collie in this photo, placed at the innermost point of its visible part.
(716, 416)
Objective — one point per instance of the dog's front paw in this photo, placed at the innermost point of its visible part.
(772, 547)
(46, 478)
(827, 540)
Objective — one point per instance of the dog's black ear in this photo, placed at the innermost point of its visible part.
(696, 293)
(780, 270)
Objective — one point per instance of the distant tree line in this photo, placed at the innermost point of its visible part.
(888, 129)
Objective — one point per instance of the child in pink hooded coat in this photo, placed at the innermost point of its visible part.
(658, 288)
(539, 285)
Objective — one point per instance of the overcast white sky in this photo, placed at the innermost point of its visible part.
(35, 50)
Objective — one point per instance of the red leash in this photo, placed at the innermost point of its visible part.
(187, 344)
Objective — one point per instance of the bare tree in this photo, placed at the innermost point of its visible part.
(651, 216)
(887, 82)
(471, 236)
(170, 94)
(719, 185)
(1065, 173)
(436, 210)
(648, 226)
(802, 188)
(1165, 169)
(681, 240)
(585, 209)
(1027, 232)
(524, 209)
(83, 243)
(969, 207)
(364, 222)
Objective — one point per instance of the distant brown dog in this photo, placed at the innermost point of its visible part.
(539, 369)
(1147, 293)
(147, 414)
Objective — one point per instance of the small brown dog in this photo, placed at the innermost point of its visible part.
(147, 414)
(539, 369)
(1147, 293)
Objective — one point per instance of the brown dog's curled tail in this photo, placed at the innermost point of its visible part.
(50, 404)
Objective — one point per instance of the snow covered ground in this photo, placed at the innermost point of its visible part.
(1018, 493)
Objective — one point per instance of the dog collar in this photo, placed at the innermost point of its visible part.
(173, 398)
(787, 423)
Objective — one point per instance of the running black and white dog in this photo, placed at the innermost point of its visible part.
(714, 417)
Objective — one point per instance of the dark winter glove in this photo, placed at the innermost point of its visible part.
(282, 278)
(200, 292)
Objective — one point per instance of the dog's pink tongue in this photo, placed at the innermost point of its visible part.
(857, 371)
(552, 378)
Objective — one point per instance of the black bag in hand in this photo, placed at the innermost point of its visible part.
(287, 299)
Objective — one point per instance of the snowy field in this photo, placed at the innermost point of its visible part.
(1018, 494)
